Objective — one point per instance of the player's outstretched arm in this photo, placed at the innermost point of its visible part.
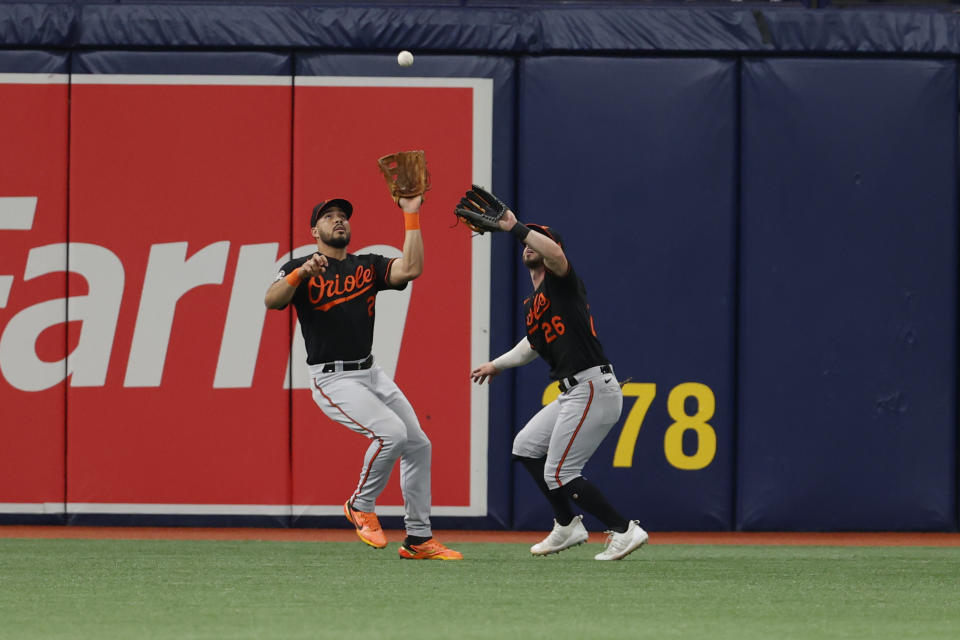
(520, 355)
(553, 256)
(410, 264)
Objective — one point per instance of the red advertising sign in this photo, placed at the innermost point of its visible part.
(33, 213)
(183, 192)
(179, 210)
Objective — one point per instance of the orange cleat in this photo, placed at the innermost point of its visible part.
(368, 526)
(429, 550)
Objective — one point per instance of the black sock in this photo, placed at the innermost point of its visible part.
(587, 495)
(557, 498)
(409, 540)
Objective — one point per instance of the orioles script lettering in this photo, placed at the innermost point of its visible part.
(540, 304)
(337, 290)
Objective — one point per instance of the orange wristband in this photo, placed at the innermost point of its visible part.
(411, 221)
(293, 278)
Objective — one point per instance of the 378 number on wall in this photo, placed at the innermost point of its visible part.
(645, 392)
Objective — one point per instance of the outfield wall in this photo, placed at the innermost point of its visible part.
(764, 211)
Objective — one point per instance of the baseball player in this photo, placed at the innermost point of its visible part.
(556, 443)
(334, 293)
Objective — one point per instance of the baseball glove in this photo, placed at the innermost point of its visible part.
(480, 210)
(406, 174)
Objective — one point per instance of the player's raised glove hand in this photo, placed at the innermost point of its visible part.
(483, 372)
(481, 210)
(406, 174)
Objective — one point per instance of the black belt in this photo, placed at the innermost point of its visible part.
(569, 383)
(330, 367)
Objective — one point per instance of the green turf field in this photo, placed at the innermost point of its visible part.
(173, 589)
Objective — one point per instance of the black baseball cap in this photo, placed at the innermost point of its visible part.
(550, 232)
(318, 210)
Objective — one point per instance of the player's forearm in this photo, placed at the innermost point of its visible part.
(520, 355)
(279, 294)
(413, 252)
(410, 264)
(553, 256)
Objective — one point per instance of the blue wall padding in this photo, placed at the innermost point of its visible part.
(184, 62)
(663, 28)
(847, 373)
(27, 61)
(34, 24)
(322, 26)
(453, 26)
(867, 29)
(634, 161)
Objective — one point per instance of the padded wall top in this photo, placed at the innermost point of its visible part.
(183, 62)
(443, 25)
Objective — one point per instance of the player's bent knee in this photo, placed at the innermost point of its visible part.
(398, 440)
(392, 435)
(550, 477)
(424, 446)
(523, 449)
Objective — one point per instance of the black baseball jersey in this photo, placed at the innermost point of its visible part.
(560, 327)
(336, 309)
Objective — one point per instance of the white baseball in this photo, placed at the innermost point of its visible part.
(404, 58)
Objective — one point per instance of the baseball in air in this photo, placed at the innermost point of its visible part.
(404, 58)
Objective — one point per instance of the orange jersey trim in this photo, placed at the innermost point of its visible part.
(386, 275)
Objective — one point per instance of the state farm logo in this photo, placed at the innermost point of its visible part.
(168, 276)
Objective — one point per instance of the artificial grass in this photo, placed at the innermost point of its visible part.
(108, 589)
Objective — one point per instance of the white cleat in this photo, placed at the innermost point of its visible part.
(562, 537)
(619, 545)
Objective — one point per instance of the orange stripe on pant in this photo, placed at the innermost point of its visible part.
(574, 436)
